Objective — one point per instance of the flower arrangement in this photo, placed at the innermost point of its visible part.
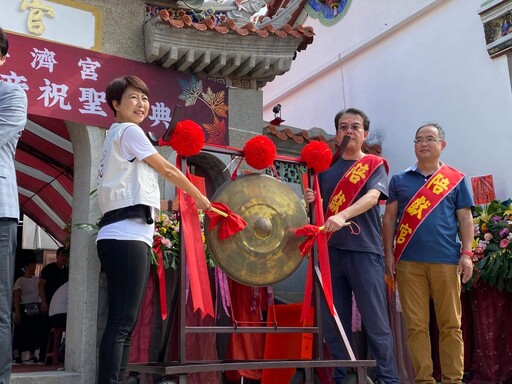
(492, 245)
(167, 239)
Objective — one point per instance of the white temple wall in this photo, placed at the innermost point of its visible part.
(406, 63)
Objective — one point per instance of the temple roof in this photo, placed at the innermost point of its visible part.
(216, 47)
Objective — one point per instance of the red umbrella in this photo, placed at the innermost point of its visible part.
(229, 223)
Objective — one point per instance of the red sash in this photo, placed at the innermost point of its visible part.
(352, 182)
(440, 184)
(349, 185)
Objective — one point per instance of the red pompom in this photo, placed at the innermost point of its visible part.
(187, 139)
(317, 155)
(260, 152)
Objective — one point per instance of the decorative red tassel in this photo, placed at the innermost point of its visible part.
(317, 155)
(260, 152)
(187, 139)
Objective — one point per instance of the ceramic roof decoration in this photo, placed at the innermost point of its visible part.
(232, 40)
(328, 12)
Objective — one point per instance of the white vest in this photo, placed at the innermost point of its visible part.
(122, 183)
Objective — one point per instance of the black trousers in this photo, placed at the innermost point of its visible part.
(26, 333)
(126, 265)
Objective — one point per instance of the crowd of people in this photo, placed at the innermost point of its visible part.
(428, 200)
(33, 297)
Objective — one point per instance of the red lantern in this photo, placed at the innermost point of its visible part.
(260, 152)
(317, 155)
(187, 139)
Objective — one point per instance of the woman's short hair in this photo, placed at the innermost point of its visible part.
(117, 87)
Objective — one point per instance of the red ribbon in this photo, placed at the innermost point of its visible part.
(234, 174)
(160, 271)
(164, 143)
(196, 257)
(228, 226)
(323, 260)
(311, 232)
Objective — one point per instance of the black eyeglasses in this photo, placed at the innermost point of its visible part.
(353, 128)
(428, 140)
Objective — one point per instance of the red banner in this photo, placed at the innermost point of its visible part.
(68, 83)
(483, 189)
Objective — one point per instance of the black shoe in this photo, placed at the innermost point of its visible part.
(17, 361)
(32, 360)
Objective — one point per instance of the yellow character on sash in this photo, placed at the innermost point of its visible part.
(357, 173)
(403, 231)
(337, 201)
(438, 184)
(417, 207)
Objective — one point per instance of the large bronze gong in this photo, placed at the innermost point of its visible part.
(266, 251)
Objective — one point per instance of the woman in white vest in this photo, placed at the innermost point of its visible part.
(129, 199)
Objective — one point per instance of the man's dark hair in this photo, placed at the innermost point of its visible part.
(29, 260)
(117, 87)
(62, 251)
(440, 130)
(353, 111)
(4, 43)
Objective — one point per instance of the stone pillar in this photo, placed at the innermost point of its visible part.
(245, 115)
(81, 334)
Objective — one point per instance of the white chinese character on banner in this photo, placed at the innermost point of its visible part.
(92, 101)
(53, 94)
(160, 114)
(89, 69)
(43, 59)
(15, 79)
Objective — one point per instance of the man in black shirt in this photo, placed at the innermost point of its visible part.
(52, 277)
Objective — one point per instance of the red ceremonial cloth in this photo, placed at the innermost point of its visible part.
(323, 260)
(196, 258)
(492, 311)
(311, 232)
(228, 226)
(198, 346)
(160, 270)
(247, 304)
(397, 325)
(143, 333)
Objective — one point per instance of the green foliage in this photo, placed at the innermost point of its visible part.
(492, 246)
(167, 240)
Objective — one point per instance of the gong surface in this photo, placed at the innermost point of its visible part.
(266, 251)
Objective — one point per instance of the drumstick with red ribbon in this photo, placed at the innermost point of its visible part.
(229, 222)
(311, 232)
(218, 211)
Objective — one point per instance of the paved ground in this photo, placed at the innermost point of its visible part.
(36, 368)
